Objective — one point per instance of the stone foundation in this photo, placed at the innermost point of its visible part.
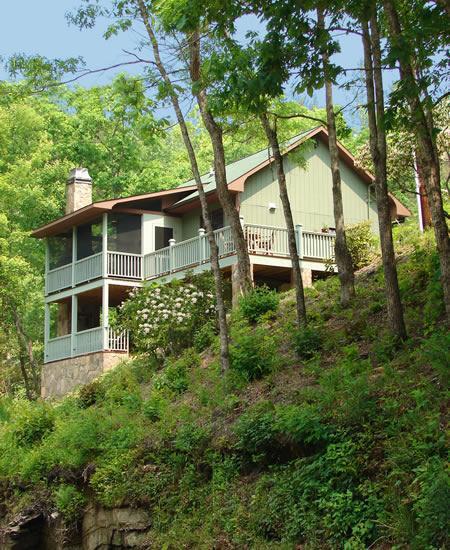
(61, 377)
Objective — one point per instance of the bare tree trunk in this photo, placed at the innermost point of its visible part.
(423, 127)
(26, 347)
(214, 250)
(344, 260)
(375, 110)
(225, 198)
(272, 138)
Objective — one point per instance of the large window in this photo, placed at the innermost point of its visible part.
(217, 219)
(124, 233)
(89, 239)
(162, 236)
(60, 250)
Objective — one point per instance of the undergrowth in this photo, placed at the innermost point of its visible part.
(330, 437)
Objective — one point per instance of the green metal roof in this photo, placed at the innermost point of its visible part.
(238, 168)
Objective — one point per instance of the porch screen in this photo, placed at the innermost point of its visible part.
(89, 239)
(162, 236)
(217, 219)
(60, 250)
(124, 233)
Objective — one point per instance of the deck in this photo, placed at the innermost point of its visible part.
(192, 253)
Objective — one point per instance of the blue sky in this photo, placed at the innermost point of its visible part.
(40, 27)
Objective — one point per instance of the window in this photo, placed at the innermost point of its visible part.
(162, 236)
(60, 250)
(89, 239)
(124, 233)
(217, 221)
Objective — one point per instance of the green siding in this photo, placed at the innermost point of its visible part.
(310, 193)
(191, 221)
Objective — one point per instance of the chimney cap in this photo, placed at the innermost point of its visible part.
(79, 174)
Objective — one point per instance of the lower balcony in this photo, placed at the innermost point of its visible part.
(86, 341)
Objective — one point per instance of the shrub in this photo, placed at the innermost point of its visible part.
(267, 432)
(174, 377)
(431, 507)
(33, 422)
(259, 301)
(307, 341)
(361, 243)
(163, 318)
(91, 393)
(154, 407)
(252, 353)
(69, 501)
(205, 336)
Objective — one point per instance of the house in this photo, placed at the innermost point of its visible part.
(98, 251)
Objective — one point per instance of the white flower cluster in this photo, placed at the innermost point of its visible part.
(173, 306)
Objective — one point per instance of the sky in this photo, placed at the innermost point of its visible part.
(40, 27)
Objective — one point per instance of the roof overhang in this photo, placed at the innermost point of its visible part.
(94, 210)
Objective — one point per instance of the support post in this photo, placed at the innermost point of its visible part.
(299, 237)
(74, 254)
(74, 325)
(105, 245)
(47, 265)
(201, 245)
(171, 262)
(105, 314)
(46, 330)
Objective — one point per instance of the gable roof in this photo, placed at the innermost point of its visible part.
(186, 196)
(92, 211)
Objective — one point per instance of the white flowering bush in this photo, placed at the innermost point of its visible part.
(164, 318)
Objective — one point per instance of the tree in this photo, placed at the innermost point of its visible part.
(378, 148)
(414, 53)
(272, 137)
(216, 135)
(343, 257)
(214, 250)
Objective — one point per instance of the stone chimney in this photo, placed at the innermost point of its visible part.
(78, 189)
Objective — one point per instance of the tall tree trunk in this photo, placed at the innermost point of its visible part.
(422, 123)
(375, 111)
(272, 138)
(225, 198)
(343, 257)
(214, 250)
(26, 348)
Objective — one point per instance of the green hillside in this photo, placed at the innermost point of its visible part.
(332, 437)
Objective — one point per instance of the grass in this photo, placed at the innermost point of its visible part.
(343, 447)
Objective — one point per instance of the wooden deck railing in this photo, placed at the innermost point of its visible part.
(262, 240)
(86, 341)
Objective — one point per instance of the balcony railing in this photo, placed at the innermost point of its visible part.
(262, 240)
(86, 341)
(119, 264)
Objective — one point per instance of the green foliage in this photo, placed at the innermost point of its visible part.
(253, 353)
(318, 499)
(307, 341)
(257, 302)
(205, 336)
(164, 318)
(70, 502)
(340, 451)
(362, 244)
(174, 376)
(269, 433)
(33, 422)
